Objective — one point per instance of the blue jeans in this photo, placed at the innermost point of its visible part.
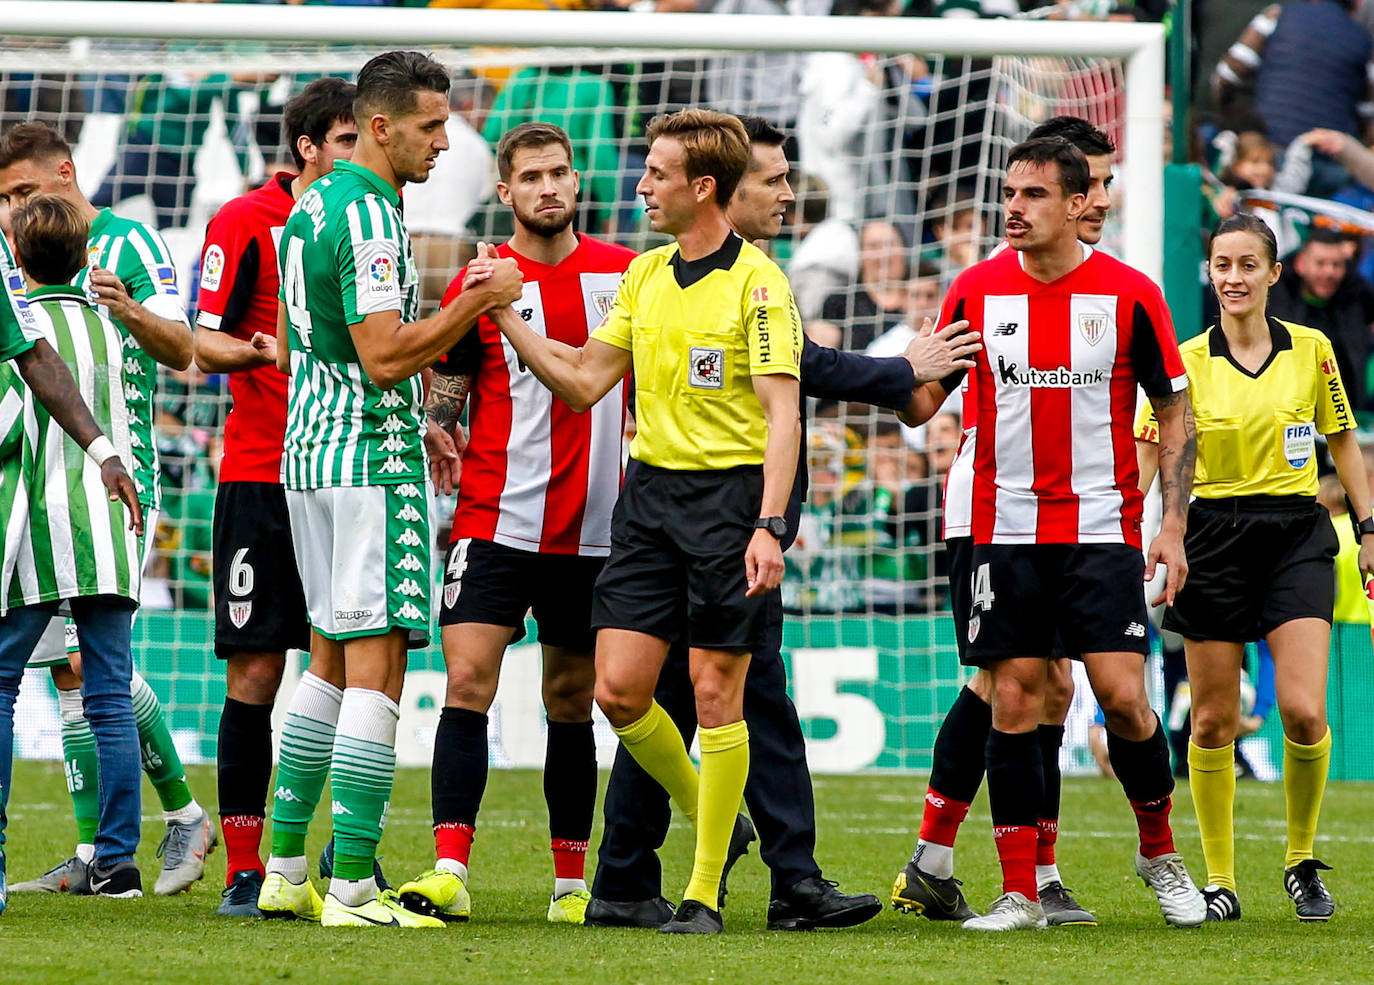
(103, 624)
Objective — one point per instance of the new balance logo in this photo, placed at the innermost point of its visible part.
(409, 538)
(408, 489)
(286, 794)
(409, 587)
(392, 398)
(409, 563)
(394, 443)
(337, 808)
(408, 513)
(392, 424)
(526, 314)
(1006, 328)
(392, 465)
(408, 611)
(1136, 629)
(1061, 377)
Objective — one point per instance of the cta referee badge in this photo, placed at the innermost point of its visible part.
(239, 613)
(1298, 443)
(706, 368)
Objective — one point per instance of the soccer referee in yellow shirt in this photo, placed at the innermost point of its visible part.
(1260, 551)
(715, 340)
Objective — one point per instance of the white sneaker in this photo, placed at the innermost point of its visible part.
(1010, 911)
(1179, 900)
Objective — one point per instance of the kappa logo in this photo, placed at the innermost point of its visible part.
(410, 588)
(408, 489)
(129, 342)
(393, 443)
(132, 392)
(212, 268)
(1006, 328)
(409, 538)
(350, 615)
(337, 808)
(132, 367)
(707, 367)
(1092, 327)
(408, 611)
(392, 466)
(392, 398)
(1136, 629)
(239, 612)
(408, 514)
(392, 425)
(602, 302)
(286, 794)
(409, 563)
(135, 441)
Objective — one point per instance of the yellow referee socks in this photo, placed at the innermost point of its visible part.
(1304, 783)
(1212, 773)
(656, 745)
(724, 768)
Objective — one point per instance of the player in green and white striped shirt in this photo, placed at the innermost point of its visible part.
(129, 273)
(66, 539)
(356, 486)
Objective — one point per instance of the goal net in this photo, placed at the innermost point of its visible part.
(897, 144)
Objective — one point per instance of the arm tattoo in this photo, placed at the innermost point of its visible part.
(1176, 461)
(448, 395)
(51, 382)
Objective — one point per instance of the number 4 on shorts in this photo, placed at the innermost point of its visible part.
(982, 588)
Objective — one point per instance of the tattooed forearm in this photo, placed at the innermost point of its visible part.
(1177, 452)
(448, 395)
(51, 382)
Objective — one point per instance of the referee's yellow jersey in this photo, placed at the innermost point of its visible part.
(699, 331)
(1256, 432)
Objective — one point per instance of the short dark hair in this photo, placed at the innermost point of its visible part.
(30, 142)
(714, 144)
(1246, 222)
(314, 112)
(526, 136)
(761, 131)
(1322, 234)
(1077, 131)
(388, 83)
(50, 236)
(1072, 165)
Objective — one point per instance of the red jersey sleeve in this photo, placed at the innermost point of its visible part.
(1154, 346)
(226, 280)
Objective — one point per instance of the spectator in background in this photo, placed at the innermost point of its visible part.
(582, 103)
(1319, 288)
(826, 255)
(854, 317)
(958, 231)
(1310, 64)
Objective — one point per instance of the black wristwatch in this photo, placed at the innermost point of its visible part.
(775, 525)
(1365, 526)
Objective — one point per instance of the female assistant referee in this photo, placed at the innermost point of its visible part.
(1260, 550)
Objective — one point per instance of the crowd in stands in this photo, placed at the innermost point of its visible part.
(892, 203)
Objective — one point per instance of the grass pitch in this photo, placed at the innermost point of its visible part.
(866, 832)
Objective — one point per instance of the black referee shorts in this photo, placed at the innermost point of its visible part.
(1041, 600)
(259, 602)
(1254, 563)
(490, 583)
(677, 557)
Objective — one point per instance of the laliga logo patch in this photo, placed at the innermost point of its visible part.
(974, 624)
(1298, 444)
(212, 269)
(381, 270)
(706, 367)
(239, 613)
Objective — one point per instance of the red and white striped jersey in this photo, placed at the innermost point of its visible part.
(536, 476)
(1054, 396)
(958, 501)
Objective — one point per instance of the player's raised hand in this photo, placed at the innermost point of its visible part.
(121, 487)
(479, 268)
(506, 283)
(108, 290)
(934, 355)
(1167, 549)
(763, 566)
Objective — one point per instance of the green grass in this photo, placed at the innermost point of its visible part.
(866, 833)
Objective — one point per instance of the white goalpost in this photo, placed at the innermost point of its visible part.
(163, 97)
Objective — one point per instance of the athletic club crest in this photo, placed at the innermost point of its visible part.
(451, 593)
(239, 613)
(1092, 327)
(974, 624)
(602, 301)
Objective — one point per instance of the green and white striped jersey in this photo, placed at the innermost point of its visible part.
(136, 254)
(345, 254)
(63, 536)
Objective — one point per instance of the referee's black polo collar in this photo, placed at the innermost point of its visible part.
(1280, 337)
(688, 272)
